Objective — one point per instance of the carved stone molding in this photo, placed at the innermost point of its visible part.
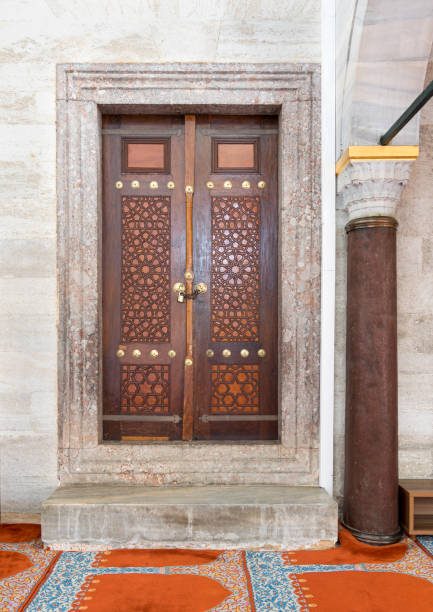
(373, 188)
(86, 91)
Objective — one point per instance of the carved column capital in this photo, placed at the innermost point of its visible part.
(372, 188)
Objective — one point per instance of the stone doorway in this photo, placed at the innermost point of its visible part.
(85, 94)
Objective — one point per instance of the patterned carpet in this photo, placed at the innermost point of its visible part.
(352, 577)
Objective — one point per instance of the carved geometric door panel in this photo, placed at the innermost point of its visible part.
(142, 251)
(236, 252)
(230, 390)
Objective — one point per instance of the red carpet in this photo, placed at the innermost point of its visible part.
(367, 592)
(157, 558)
(12, 562)
(153, 593)
(349, 551)
(19, 532)
(352, 577)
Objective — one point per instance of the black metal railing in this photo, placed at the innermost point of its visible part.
(410, 112)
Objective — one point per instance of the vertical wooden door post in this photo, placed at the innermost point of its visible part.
(188, 398)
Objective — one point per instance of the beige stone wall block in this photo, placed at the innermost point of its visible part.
(29, 193)
(15, 411)
(29, 334)
(45, 107)
(27, 470)
(427, 111)
(411, 260)
(28, 258)
(27, 77)
(143, 31)
(28, 296)
(421, 427)
(31, 144)
(415, 211)
(43, 418)
(23, 105)
(427, 255)
(415, 336)
(22, 219)
(414, 293)
(415, 383)
(27, 371)
(416, 463)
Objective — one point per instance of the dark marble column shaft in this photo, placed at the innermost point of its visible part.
(371, 457)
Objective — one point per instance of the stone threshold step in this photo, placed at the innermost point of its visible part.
(274, 517)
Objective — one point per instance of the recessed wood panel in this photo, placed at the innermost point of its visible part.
(234, 389)
(235, 275)
(145, 289)
(235, 155)
(146, 155)
(144, 389)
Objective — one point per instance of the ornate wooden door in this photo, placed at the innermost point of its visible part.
(190, 365)
(236, 245)
(142, 252)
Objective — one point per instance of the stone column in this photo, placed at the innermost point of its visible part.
(371, 191)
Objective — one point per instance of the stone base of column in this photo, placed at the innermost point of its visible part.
(373, 538)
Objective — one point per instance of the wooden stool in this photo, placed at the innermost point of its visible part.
(416, 506)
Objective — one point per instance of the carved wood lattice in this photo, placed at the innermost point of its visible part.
(145, 304)
(144, 388)
(235, 276)
(235, 389)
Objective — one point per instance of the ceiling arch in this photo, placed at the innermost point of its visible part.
(383, 47)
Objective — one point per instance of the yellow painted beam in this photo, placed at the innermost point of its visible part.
(376, 152)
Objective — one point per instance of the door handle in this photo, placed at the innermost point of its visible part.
(182, 295)
(200, 288)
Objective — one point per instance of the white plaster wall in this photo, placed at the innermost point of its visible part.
(35, 35)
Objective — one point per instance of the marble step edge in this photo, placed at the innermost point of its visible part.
(209, 495)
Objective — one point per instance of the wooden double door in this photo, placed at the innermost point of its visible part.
(189, 263)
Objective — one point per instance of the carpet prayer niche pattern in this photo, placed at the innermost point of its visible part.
(352, 577)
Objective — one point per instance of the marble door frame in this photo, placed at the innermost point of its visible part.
(84, 91)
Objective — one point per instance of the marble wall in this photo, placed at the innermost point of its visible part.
(36, 35)
(415, 312)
